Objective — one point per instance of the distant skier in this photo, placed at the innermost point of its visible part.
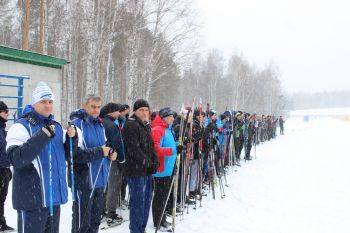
(281, 122)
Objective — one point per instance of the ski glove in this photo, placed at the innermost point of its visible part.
(49, 129)
(153, 168)
(179, 148)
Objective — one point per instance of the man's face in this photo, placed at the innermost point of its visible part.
(142, 113)
(44, 107)
(169, 119)
(4, 114)
(214, 117)
(93, 108)
(125, 112)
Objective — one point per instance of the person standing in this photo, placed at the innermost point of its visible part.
(5, 171)
(110, 113)
(281, 123)
(165, 146)
(239, 128)
(141, 164)
(124, 114)
(92, 160)
(36, 151)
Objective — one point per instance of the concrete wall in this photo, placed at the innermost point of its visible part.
(36, 74)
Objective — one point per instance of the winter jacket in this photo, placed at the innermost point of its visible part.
(28, 151)
(251, 131)
(114, 137)
(165, 147)
(197, 135)
(239, 128)
(138, 147)
(90, 165)
(4, 160)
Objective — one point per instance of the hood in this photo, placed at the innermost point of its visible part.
(158, 122)
(82, 115)
(35, 117)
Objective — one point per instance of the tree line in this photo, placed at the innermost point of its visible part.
(129, 49)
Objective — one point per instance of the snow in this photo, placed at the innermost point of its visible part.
(322, 112)
(298, 183)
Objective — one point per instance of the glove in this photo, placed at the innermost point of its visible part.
(179, 148)
(49, 129)
(153, 168)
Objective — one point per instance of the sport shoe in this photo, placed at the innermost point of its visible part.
(5, 228)
(114, 219)
(165, 228)
(103, 217)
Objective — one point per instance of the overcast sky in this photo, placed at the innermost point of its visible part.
(308, 39)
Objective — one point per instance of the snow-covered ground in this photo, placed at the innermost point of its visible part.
(298, 183)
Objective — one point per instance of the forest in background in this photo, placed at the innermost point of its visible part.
(123, 50)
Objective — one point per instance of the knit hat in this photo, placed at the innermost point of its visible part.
(3, 106)
(42, 92)
(109, 108)
(222, 117)
(164, 112)
(140, 103)
(197, 112)
(212, 112)
(124, 107)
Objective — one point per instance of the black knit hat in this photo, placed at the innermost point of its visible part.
(197, 112)
(109, 108)
(222, 117)
(212, 112)
(140, 103)
(164, 112)
(124, 107)
(3, 106)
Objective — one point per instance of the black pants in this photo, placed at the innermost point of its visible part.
(87, 212)
(248, 148)
(239, 143)
(5, 177)
(161, 190)
(123, 187)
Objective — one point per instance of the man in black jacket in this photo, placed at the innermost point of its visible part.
(250, 136)
(239, 127)
(110, 113)
(197, 135)
(5, 172)
(141, 163)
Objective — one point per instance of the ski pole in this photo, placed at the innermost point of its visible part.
(91, 193)
(51, 191)
(71, 163)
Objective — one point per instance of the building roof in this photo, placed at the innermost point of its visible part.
(18, 55)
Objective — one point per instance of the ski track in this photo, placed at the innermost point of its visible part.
(298, 183)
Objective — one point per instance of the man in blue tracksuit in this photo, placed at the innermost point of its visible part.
(91, 168)
(33, 143)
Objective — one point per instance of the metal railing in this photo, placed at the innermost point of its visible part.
(19, 97)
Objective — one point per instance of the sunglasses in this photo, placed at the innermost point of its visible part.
(5, 111)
